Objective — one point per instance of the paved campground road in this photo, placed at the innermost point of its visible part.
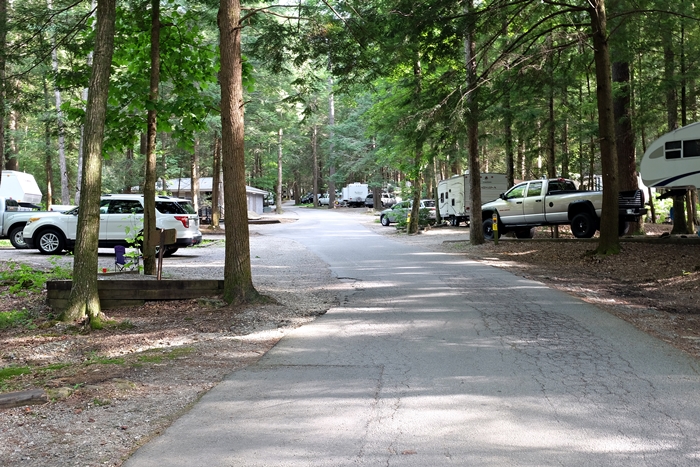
(431, 359)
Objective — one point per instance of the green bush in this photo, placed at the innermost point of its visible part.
(14, 318)
(22, 278)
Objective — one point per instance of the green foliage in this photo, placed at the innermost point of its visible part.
(22, 278)
(15, 318)
(10, 372)
(95, 359)
(158, 355)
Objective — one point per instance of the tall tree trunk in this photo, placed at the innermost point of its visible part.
(314, 162)
(216, 185)
(331, 128)
(624, 133)
(238, 277)
(81, 145)
(609, 242)
(3, 39)
(84, 300)
(12, 161)
(418, 155)
(476, 233)
(149, 186)
(65, 194)
(508, 137)
(278, 195)
(194, 176)
(48, 151)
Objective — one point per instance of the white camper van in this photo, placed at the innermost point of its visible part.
(455, 195)
(673, 161)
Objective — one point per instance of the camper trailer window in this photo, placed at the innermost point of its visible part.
(673, 150)
(691, 148)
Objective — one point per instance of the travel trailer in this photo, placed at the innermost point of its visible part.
(354, 194)
(20, 186)
(455, 198)
(673, 161)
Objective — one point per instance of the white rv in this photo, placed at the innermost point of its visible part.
(354, 194)
(673, 161)
(455, 195)
(20, 186)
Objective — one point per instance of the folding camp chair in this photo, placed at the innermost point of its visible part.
(122, 261)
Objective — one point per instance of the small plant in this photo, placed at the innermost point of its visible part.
(94, 359)
(9, 373)
(15, 318)
(23, 279)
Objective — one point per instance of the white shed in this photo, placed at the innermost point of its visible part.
(181, 187)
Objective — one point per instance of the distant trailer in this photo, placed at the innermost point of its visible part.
(673, 161)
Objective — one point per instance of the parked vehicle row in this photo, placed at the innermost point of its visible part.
(387, 200)
(556, 202)
(121, 223)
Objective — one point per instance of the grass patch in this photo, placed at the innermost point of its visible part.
(95, 359)
(12, 371)
(160, 355)
(15, 318)
(9, 373)
(22, 278)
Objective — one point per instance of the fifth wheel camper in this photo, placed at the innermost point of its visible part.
(673, 161)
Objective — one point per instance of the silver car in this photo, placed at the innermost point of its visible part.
(400, 211)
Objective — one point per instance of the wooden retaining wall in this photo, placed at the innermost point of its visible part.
(120, 293)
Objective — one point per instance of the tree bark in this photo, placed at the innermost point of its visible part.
(81, 145)
(624, 133)
(278, 202)
(413, 224)
(194, 176)
(508, 139)
(331, 128)
(4, 162)
(84, 300)
(48, 159)
(149, 185)
(216, 185)
(238, 280)
(65, 194)
(476, 234)
(609, 242)
(314, 160)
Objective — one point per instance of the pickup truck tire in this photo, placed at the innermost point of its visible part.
(525, 233)
(487, 228)
(16, 237)
(385, 221)
(622, 228)
(50, 242)
(583, 225)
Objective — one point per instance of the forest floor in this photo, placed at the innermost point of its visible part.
(110, 391)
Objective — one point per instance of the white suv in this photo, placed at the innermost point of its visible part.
(121, 220)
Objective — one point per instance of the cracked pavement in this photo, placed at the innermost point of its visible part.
(430, 360)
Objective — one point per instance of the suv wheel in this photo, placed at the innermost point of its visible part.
(50, 242)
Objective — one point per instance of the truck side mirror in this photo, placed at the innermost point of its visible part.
(502, 196)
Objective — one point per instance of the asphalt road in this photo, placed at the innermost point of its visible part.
(433, 360)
